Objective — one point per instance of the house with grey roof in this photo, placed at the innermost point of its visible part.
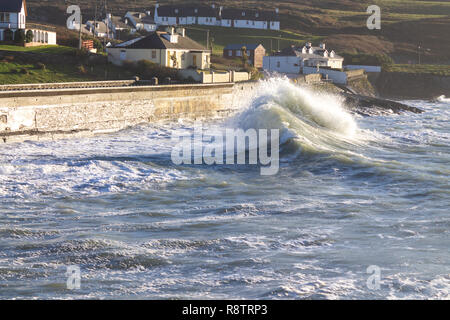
(13, 17)
(216, 16)
(293, 59)
(171, 48)
(255, 53)
(119, 26)
(141, 20)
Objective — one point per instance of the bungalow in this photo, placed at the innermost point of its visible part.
(13, 15)
(98, 28)
(171, 48)
(255, 53)
(217, 16)
(173, 15)
(294, 59)
(251, 19)
(141, 21)
(118, 26)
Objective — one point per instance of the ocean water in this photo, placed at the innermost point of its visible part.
(351, 192)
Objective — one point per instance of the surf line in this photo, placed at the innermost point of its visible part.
(208, 146)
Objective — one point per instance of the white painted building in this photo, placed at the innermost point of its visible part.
(292, 60)
(13, 16)
(172, 49)
(217, 16)
(141, 20)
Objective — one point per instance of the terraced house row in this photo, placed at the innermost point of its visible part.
(217, 16)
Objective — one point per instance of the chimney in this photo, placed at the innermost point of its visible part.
(148, 12)
(170, 30)
(181, 32)
(322, 46)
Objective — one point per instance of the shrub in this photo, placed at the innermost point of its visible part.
(8, 35)
(40, 66)
(29, 36)
(82, 69)
(147, 70)
(24, 71)
(20, 36)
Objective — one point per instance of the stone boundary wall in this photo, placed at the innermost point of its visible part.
(52, 114)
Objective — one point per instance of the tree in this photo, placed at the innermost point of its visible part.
(9, 35)
(20, 36)
(29, 36)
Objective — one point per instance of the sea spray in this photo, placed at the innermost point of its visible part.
(316, 120)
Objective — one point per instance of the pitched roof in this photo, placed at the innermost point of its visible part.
(156, 41)
(239, 46)
(119, 22)
(101, 28)
(298, 52)
(257, 15)
(177, 11)
(11, 5)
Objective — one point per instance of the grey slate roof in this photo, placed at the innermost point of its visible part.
(257, 15)
(10, 5)
(239, 46)
(156, 41)
(297, 51)
(178, 11)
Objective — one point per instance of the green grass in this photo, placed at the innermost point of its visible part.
(221, 37)
(441, 70)
(61, 65)
(42, 49)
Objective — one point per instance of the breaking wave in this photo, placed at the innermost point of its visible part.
(443, 99)
(314, 121)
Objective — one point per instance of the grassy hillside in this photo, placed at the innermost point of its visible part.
(406, 24)
(53, 64)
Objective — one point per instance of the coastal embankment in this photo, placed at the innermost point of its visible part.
(58, 113)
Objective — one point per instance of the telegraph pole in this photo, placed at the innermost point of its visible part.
(79, 39)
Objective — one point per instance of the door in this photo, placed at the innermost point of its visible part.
(123, 55)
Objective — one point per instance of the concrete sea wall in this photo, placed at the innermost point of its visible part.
(52, 114)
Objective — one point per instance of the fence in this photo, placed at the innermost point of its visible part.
(365, 68)
(214, 77)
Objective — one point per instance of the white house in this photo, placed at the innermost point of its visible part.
(98, 28)
(250, 19)
(141, 21)
(292, 60)
(13, 16)
(171, 49)
(118, 26)
(217, 16)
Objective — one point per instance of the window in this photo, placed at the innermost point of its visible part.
(238, 53)
(154, 54)
(183, 56)
(278, 64)
(230, 53)
(4, 17)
